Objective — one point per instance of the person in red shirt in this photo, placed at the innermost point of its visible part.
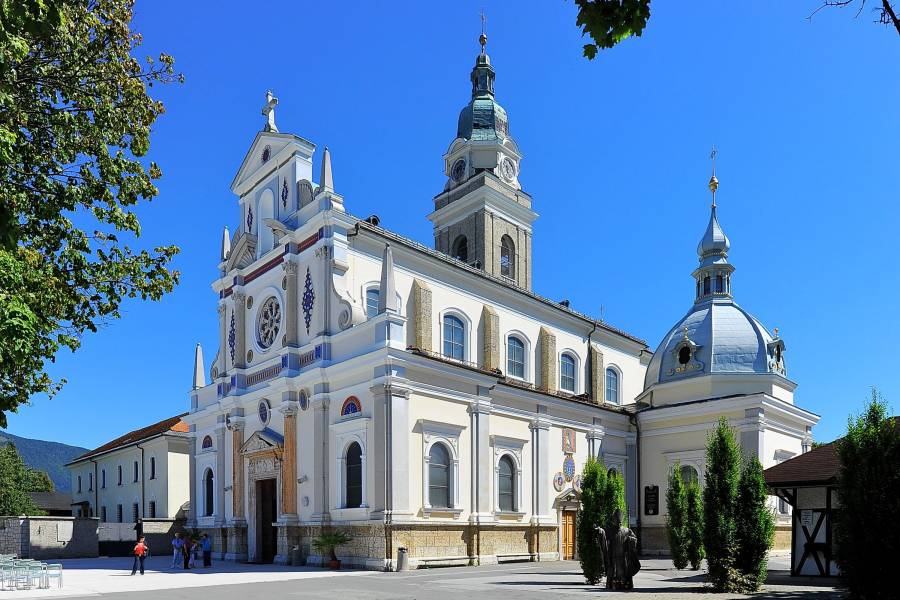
(140, 553)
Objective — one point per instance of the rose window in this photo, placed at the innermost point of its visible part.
(269, 322)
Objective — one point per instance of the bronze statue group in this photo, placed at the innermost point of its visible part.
(618, 548)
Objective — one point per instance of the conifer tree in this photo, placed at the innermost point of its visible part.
(723, 461)
(14, 484)
(694, 525)
(755, 524)
(614, 498)
(591, 514)
(867, 530)
(676, 518)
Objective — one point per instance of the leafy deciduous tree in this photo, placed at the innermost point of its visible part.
(15, 481)
(75, 122)
(867, 531)
(676, 518)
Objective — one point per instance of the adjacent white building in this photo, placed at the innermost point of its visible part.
(142, 474)
(428, 398)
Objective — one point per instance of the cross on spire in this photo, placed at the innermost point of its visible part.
(713, 182)
(483, 37)
(268, 112)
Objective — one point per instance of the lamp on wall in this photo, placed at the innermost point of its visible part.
(302, 479)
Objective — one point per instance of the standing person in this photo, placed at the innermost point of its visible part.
(177, 546)
(138, 530)
(195, 548)
(206, 545)
(140, 553)
(186, 553)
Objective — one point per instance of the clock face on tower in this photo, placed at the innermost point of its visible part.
(458, 170)
(508, 169)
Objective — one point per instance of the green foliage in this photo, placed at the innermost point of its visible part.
(325, 543)
(755, 524)
(591, 513)
(867, 531)
(694, 525)
(608, 22)
(723, 461)
(75, 122)
(676, 518)
(39, 481)
(15, 480)
(614, 498)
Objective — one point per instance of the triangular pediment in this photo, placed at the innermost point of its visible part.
(264, 440)
(242, 253)
(258, 161)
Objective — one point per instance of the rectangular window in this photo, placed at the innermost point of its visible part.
(135, 471)
(119, 513)
(79, 484)
(103, 514)
(153, 509)
(152, 467)
(103, 479)
(134, 513)
(90, 482)
(454, 340)
(120, 474)
(371, 302)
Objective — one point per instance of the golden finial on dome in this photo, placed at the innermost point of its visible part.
(482, 39)
(713, 182)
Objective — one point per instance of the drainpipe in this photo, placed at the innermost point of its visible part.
(590, 362)
(143, 505)
(634, 421)
(96, 489)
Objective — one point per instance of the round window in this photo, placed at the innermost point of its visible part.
(268, 322)
(264, 412)
(684, 355)
(304, 400)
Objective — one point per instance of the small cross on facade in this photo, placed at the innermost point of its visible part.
(268, 111)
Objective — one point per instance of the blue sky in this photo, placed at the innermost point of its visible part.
(804, 114)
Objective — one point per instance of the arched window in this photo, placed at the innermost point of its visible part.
(265, 234)
(439, 476)
(454, 338)
(351, 406)
(698, 288)
(612, 386)
(515, 357)
(706, 284)
(507, 257)
(612, 472)
(372, 302)
(461, 249)
(206, 444)
(208, 493)
(507, 487)
(689, 474)
(720, 284)
(567, 373)
(354, 476)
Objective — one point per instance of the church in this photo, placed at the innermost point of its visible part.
(426, 397)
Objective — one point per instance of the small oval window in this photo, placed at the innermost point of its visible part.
(684, 355)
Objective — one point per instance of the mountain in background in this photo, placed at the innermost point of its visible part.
(46, 456)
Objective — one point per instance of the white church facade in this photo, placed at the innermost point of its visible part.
(428, 399)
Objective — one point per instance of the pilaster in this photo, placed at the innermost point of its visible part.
(192, 478)
(289, 408)
(240, 328)
(292, 287)
(547, 349)
(422, 315)
(540, 457)
(597, 375)
(391, 456)
(481, 467)
(220, 473)
(490, 335)
(237, 469)
(320, 402)
(222, 362)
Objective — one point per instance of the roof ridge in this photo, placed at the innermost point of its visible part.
(140, 434)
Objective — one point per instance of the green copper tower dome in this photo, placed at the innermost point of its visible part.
(482, 118)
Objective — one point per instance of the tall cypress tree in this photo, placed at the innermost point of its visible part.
(723, 461)
(867, 530)
(676, 518)
(614, 498)
(694, 525)
(755, 524)
(591, 514)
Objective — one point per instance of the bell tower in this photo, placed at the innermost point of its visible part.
(483, 217)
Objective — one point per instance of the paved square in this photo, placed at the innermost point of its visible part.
(110, 577)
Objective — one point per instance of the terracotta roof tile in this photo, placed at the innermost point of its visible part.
(132, 437)
(819, 465)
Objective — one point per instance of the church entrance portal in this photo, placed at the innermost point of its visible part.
(266, 515)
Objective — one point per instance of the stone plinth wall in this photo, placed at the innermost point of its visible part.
(43, 538)
(12, 540)
(655, 543)
(782, 537)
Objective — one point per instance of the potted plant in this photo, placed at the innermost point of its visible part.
(326, 542)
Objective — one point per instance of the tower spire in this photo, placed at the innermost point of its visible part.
(482, 39)
(199, 375)
(713, 276)
(713, 182)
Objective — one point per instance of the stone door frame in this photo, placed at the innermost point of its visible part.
(262, 459)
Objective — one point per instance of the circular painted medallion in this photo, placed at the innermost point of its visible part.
(559, 482)
(263, 410)
(576, 483)
(569, 467)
